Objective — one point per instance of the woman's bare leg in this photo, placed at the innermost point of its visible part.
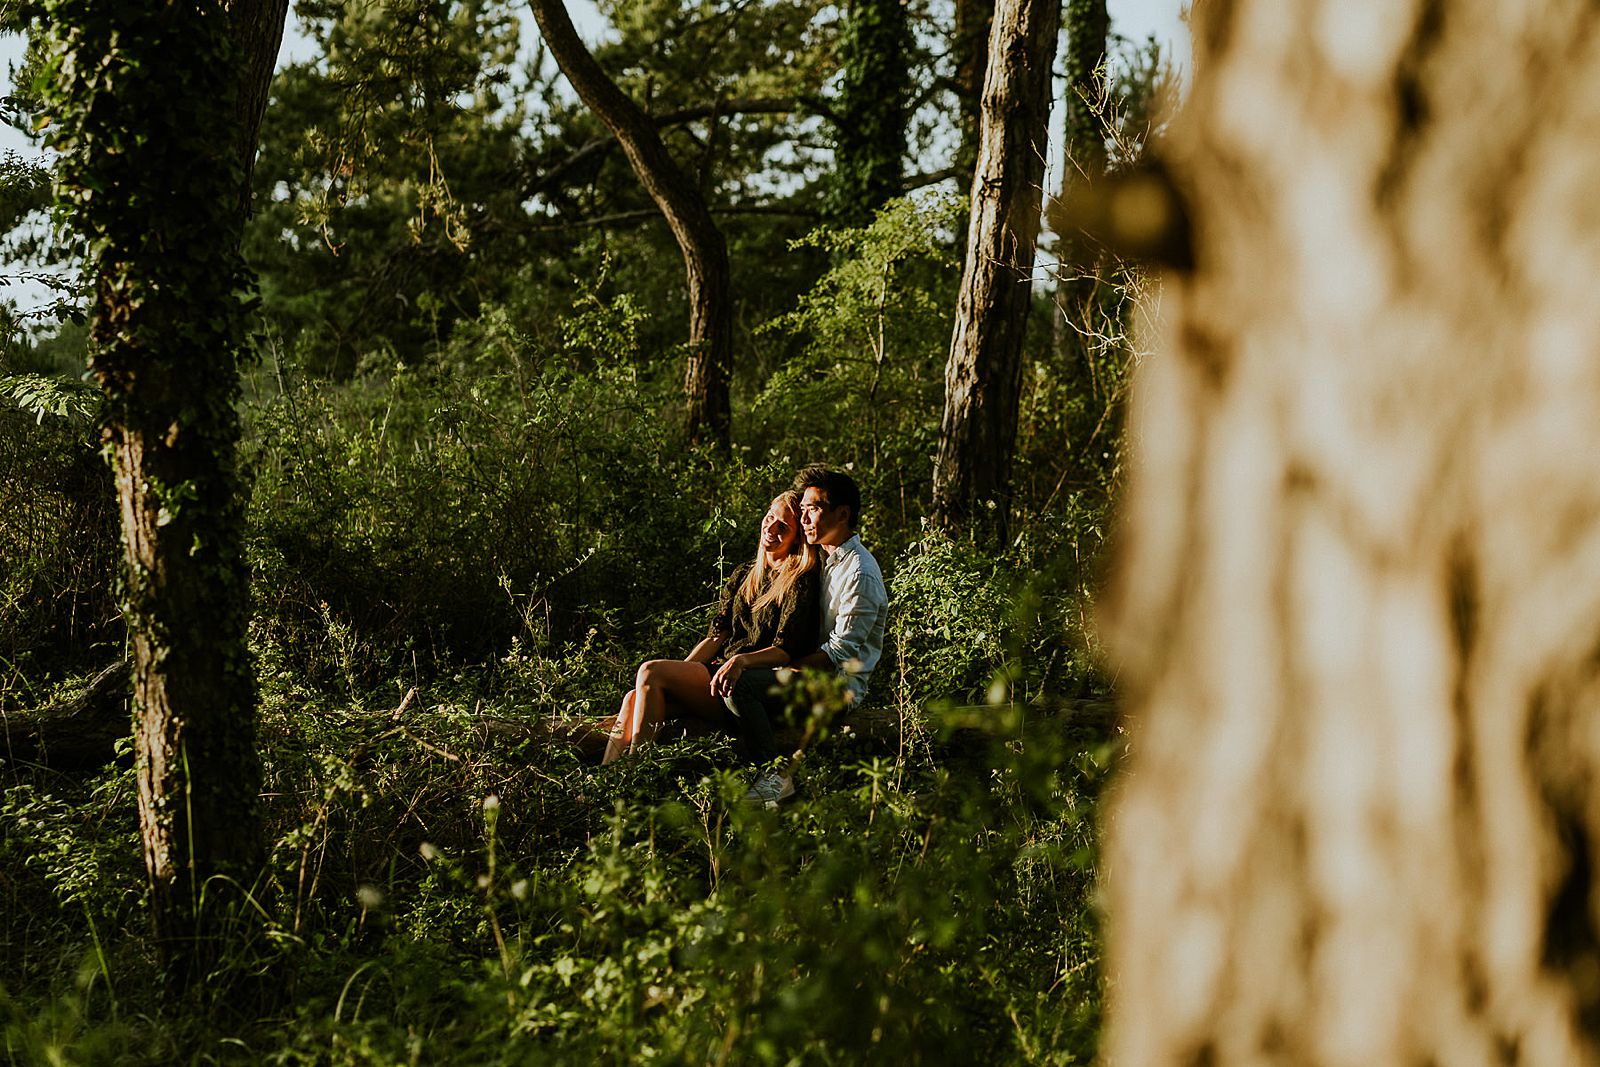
(622, 731)
(685, 684)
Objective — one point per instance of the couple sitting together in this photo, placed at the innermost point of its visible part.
(812, 597)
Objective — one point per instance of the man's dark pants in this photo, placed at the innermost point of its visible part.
(756, 707)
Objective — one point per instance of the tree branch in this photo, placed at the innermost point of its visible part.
(921, 181)
(705, 252)
(776, 105)
(646, 214)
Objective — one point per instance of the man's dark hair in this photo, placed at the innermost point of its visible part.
(837, 486)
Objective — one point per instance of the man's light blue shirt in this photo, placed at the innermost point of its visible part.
(855, 611)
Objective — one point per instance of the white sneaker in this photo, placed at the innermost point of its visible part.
(769, 788)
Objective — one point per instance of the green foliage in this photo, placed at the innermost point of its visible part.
(439, 511)
(36, 254)
(58, 540)
(875, 331)
(671, 53)
(24, 189)
(953, 611)
(870, 109)
(386, 205)
(86, 852)
(439, 893)
(971, 628)
(39, 396)
(469, 519)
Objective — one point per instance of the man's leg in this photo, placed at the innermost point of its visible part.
(753, 704)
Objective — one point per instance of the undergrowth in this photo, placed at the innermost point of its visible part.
(449, 555)
(440, 891)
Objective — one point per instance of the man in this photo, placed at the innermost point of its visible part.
(855, 612)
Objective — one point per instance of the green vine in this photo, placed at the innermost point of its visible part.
(872, 110)
(135, 98)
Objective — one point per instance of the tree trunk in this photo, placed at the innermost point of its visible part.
(871, 111)
(1077, 280)
(983, 377)
(1357, 604)
(163, 210)
(257, 30)
(970, 45)
(705, 253)
(1088, 27)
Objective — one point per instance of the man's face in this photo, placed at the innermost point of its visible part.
(821, 522)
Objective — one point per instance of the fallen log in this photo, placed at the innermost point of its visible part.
(75, 732)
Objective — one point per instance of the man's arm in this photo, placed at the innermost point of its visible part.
(861, 607)
(817, 660)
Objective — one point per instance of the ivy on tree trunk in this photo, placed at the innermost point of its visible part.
(154, 110)
(871, 110)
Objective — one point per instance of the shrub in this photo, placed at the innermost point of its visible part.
(58, 533)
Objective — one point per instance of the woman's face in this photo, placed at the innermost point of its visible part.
(778, 532)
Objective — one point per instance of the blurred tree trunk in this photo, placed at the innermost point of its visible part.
(705, 252)
(1357, 606)
(155, 113)
(983, 376)
(871, 110)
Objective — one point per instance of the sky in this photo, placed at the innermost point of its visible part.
(1133, 19)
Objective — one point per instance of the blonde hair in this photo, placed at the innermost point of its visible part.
(758, 588)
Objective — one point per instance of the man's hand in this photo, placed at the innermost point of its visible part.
(727, 676)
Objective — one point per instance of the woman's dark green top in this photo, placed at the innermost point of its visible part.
(793, 624)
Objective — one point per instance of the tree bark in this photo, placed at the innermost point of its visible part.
(257, 29)
(983, 376)
(705, 252)
(162, 209)
(1088, 26)
(1357, 603)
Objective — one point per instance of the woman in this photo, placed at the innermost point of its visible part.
(768, 614)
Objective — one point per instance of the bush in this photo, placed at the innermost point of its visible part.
(969, 626)
(441, 894)
(439, 512)
(58, 532)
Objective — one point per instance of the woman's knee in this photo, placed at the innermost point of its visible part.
(649, 672)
